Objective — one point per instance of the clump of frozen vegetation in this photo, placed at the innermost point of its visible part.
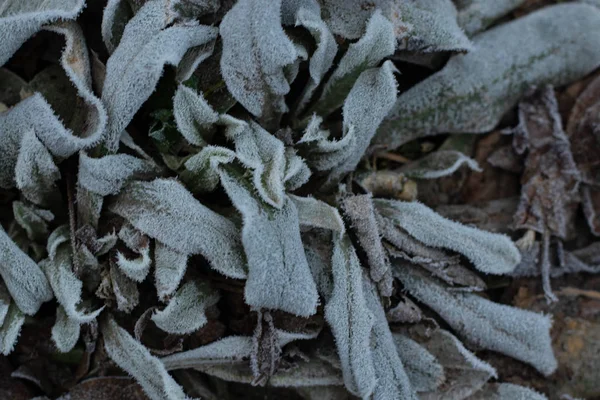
(245, 185)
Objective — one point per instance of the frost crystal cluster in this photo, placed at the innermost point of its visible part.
(248, 193)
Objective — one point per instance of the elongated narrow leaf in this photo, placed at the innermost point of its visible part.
(318, 214)
(137, 361)
(114, 19)
(370, 99)
(169, 267)
(185, 312)
(23, 278)
(136, 65)
(472, 92)
(35, 171)
(5, 301)
(10, 329)
(521, 334)
(124, 289)
(65, 331)
(165, 210)
(476, 15)
(427, 26)
(348, 18)
(423, 370)
(377, 43)
(438, 164)
(194, 116)
(33, 220)
(351, 321)
(107, 175)
(20, 20)
(255, 52)
(507, 391)
(278, 274)
(58, 269)
(491, 253)
(392, 379)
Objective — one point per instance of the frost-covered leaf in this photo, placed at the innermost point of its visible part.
(318, 247)
(423, 370)
(134, 68)
(136, 268)
(297, 172)
(392, 379)
(476, 15)
(370, 99)
(359, 210)
(266, 351)
(406, 312)
(569, 262)
(428, 26)
(23, 278)
(351, 321)
(194, 116)
(185, 312)
(124, 289)
(35, 171)
(10, 329)
(264, 154)
(438, 164)
(521, 334)
(107, 175)
(348, 18)
(163, 209)
(169, 267)
(114, 19)
(308, 15)
(65, 331)
(549, 195)
(58, 268)
(201, 174)
(33, 220)
(323, 393)
(318, 214)
(255, 52)
(377, 43)
(19, 20)
(137, 361)
(464, 373)
(473, 91)
(278, 274)
(507, 391)
(491, 253)
(5, 301)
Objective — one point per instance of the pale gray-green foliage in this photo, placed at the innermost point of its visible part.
(350, 319)
(427, 26)
(58, 269)
(291, 71)
(278, 274)
(194, 116)
(201, 174)
(33, 220)
(19, 20)
(318, 248)
(297, 172)
(423, 370)
(521, 334)
(185, 312)
(323, 393)
(370, 99)
(114, 19)
(324, 154)
(318, 214)
(476, 15)
(377, 43)
(23, 278)
(65, 331)
(473, 91)
(107, 175)
(438, 164)
(5, 301)
(163, 209)
(228, 350)
(392, 380)
(491, 253)
(137, 268)
(124, 290)
(262, 153)
(348, 18)
(35, 171)
(10, 329)
(136, 360)
(89, 206)
(359, 210)
(507, 391)
(169, 267)
(307, 14)
(134, 68)
(465, 374)
(255, 52)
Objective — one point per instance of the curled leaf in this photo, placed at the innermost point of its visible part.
(423, 370)
(476, 15)
(193, 115)
(438, 164)
(169, 267)
(65, 331)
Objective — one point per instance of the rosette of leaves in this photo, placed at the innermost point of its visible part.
(244, 186)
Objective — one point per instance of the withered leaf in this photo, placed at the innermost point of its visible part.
(266, 351)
